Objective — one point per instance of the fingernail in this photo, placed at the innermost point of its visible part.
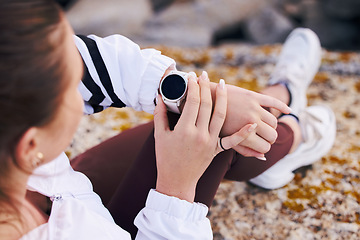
(192, 76)
(252, 127)
(222, 84)
(262, 158)
(204, 76)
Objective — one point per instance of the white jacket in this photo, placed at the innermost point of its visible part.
(77, 212)
(134, 74)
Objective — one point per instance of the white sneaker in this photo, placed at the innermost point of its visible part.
(318, 126)
(298, 63)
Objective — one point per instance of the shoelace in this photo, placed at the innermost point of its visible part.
(284, 71)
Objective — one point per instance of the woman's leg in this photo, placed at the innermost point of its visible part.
(107, 163)
(131, 193)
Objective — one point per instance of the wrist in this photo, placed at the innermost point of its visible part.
(181, 191)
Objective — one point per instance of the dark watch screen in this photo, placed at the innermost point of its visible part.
(173, 87)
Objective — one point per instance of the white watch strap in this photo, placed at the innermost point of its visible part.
(172, 106)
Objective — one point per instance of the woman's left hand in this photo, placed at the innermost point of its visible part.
(183, 154)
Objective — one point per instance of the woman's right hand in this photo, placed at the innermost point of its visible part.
(183, 154)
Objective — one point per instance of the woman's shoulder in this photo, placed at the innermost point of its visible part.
(20, 219)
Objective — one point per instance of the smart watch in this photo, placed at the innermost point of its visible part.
(173, 89)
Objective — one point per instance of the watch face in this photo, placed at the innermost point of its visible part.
(173, 87)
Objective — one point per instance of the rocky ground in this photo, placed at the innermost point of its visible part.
(323, 201)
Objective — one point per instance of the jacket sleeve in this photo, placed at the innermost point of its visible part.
(117, 73)
(167, 217)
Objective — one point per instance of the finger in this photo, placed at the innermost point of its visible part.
(161, 122)
(219, 114)
(236, 138)
(266, 132)
(268, 101)
(205, 102)
(248, 152)
(192, 104)
(256, 143)
(196, 79)
(268, 118)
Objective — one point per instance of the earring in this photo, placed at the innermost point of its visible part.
(38, 159)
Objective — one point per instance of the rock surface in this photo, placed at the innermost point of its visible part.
(194, 23)
(268, 26)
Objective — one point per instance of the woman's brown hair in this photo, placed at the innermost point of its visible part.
(31, 82)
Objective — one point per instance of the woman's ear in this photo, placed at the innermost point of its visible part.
(26, 151)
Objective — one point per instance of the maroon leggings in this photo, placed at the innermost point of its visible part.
(123, 170)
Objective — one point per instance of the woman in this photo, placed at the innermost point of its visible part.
(41, 108)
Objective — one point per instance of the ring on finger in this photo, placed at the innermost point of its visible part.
(220, 144)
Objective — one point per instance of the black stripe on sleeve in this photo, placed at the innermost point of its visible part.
(101, 70)
(97, 108)
(97, 95)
